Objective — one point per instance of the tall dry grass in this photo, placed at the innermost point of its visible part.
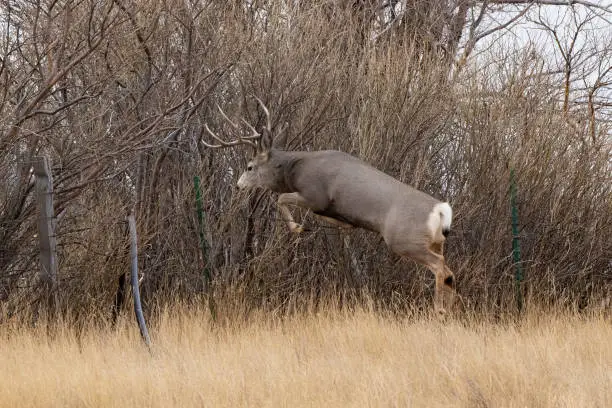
(331, 358)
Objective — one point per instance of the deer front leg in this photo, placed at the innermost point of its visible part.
(286, 199)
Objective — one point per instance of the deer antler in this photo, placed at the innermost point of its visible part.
(248, 140)
(267, 112)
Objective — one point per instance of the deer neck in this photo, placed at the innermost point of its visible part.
(284, 163)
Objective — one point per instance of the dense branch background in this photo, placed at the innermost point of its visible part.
(445, 95)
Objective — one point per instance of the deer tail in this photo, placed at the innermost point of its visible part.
(440, 219)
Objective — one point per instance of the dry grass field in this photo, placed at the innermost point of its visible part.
(332, 359)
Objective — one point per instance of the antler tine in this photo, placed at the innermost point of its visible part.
(267, 112)
(256, 135)
(223, 143)
(226, 118)
(217, 138)
(247, 141)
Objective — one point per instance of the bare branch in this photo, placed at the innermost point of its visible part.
(471, 43)
(555, 3)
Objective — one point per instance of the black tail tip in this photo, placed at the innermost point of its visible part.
(445, 232)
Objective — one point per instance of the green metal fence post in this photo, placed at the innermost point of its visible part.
(516, 248)
(203, 245)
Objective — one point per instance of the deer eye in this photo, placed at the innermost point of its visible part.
(249, 167)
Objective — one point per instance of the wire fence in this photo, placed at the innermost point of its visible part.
(189, 249)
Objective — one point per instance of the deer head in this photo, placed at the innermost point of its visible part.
(264, 169)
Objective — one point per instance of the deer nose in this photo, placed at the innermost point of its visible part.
(241, 181)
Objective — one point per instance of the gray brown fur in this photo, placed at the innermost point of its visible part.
(351, 193)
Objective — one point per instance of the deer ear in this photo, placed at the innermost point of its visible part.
(264, 156)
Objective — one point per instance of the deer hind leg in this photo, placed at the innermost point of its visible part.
(334, 221)
(431, 257)
(446, 293)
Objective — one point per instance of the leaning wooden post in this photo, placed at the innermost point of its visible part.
(134, 279)
(46, 222)
(204, 248)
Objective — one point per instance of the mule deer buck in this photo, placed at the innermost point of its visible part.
(348, 192)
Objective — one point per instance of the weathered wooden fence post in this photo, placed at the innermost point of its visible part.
(204, 248)
(46, 222)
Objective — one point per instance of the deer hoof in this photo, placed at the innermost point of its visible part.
(296, 228)
(441, 312)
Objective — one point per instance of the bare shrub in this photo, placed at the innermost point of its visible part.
(120, 110)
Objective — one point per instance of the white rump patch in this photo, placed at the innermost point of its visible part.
(440, 219)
